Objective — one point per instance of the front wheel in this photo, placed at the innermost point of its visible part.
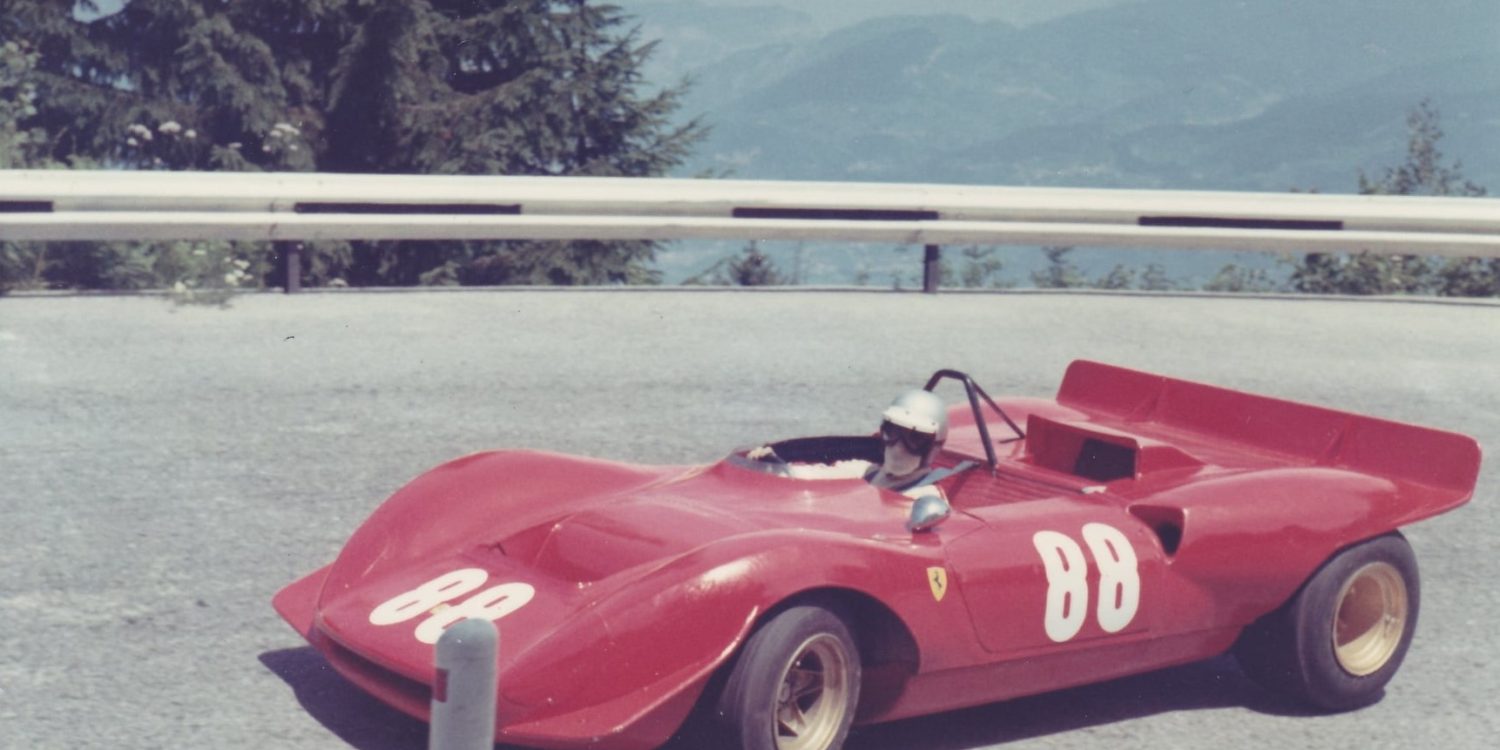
(795, 685)
(1342, 637)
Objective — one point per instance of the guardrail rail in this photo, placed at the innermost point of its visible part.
(294, 207)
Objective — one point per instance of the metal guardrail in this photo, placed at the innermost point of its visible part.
(291, 207)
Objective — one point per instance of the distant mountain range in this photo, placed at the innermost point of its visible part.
(1201, 94)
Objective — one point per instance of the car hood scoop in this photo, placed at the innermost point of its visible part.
(594, 544)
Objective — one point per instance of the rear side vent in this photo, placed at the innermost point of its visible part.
(1165, 522)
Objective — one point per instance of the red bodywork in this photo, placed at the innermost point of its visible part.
(647, 579)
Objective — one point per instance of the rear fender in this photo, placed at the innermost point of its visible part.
(1245, 542)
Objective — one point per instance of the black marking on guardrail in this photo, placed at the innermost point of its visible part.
(1211, 222)
(836, 214)
(408, 208)
(25, 207)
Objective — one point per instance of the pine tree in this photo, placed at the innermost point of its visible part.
(21, 147)
(755, 268)
(537, 87)
(1060, 272)
(1425, 172)
(981, 267)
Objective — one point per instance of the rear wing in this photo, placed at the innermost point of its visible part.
(1445, 461)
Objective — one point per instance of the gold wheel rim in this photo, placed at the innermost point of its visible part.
(813, 695)
(1371, 618)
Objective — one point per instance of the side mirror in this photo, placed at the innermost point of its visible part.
(927, 512)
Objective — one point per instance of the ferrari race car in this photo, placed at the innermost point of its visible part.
(1131, 523)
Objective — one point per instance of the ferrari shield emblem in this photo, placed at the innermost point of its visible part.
(937, 578)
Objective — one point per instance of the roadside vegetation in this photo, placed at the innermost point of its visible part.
(394, 87)
(385, 86)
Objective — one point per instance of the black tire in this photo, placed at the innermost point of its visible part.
(1342, 637)
(795, 685)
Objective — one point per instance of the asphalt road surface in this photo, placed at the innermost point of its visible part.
(164, 470)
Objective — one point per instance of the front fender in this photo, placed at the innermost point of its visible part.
(651, 645)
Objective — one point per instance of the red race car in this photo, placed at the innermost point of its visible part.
(1132, 523)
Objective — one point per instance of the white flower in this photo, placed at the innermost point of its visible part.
(292, 147)
(131, 142)
(179, 287)
(231, 279)
(190, 134)
(170, 127)
(275, 133)
(234, 146)
(199, 251)
(242, 264)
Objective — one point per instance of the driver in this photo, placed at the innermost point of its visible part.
(912, 430)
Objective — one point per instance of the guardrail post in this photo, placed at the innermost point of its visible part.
(463, 695)
(932, 269)
(291, 253)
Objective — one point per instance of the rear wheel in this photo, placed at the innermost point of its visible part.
(1338, 642)
(795, 685)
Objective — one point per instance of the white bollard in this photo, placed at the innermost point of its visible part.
(463, 695)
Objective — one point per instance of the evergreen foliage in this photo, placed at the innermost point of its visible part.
(752, 267)
(1060, 273)
(1118, 278)
(537, 87)
(1155, 279)
(981, 268)
(755, 268)
(1425, 172)
(22, 146)
(1233, 278)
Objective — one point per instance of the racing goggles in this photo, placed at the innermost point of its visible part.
(918, 443)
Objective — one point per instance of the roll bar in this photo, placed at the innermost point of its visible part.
(974, 393)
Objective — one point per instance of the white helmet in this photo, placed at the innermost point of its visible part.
(919, 421)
